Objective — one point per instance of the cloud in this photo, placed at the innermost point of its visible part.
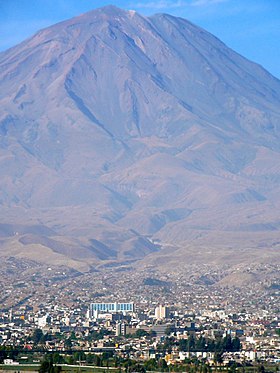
(206, 2)
(169, 4)
(161, 4)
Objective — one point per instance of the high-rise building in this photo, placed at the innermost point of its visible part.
(161, 312)
(120, 329)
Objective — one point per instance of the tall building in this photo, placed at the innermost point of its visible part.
(161, 312)
(120, 329)
(96, 308)
(11, 314)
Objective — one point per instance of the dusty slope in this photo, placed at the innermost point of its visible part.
(117, 127)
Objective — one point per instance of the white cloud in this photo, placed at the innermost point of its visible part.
(169, 4)
(161, 4)
(206, 2)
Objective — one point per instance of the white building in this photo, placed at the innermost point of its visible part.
(161, 312)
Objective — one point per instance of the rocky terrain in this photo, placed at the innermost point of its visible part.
(138, 141)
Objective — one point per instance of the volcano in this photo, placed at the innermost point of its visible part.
(123, 134)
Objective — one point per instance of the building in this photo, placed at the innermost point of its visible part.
(121, 329)
(161, 312)
(96, 308)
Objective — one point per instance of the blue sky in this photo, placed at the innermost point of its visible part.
(250, 27)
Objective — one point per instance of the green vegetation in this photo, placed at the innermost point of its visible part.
(47, 365)
(226, 344)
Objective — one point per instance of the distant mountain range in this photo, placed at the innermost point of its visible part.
(123, 135)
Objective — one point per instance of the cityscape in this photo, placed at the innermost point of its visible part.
(138, 320)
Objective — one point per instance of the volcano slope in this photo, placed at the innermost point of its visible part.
(122, 135)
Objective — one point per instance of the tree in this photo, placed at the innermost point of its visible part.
(107, 355)
(169, 330)
(57, 358)
(78, 356)
(69, 360)
(37, 336)
(97, 360)
(191, 343)
(3, 354)
(141, 333)
(162, 364)
(47, 365)
(151, 364)
(227, 343)
(137, 368)
(89, 358)
(201, 344)
(232, 366)
(68, 343)
(236, 345)
(183, 345)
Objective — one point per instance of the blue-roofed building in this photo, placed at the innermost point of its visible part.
(96, 308)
